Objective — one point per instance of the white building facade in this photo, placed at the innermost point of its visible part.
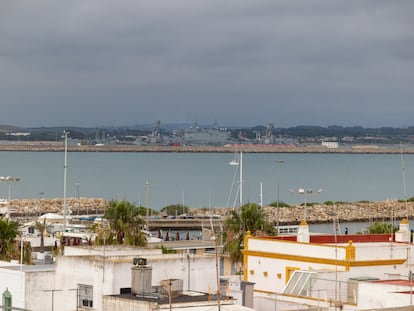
(322, 274)
(28, 285)
(94, 272)
(79, 279)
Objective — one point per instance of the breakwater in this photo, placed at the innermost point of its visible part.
(343, 212)
(317, 213)
(75, 206)
(249, 148)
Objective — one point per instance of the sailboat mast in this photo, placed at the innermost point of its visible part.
(261, 194)
(65, 166)
(241, 179)
(403, 180)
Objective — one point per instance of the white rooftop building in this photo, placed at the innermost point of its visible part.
(330, 271)
(79, 279)
(29, 285)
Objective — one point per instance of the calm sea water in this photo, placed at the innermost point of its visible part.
(207, 179)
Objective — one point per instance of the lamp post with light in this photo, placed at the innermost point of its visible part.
(40, 203)
(9, 180)
(305, 193)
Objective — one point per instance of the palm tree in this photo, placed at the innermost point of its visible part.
(250, 217)
(41, 227)
(8, 233)
(126, 223)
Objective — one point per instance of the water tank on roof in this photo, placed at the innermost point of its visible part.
(141, 279)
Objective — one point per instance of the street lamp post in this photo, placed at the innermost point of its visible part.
(305, 193)
(278, 162)
(77, 192)
(9, 180)
(40, 203)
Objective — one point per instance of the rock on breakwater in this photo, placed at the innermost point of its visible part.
(316, 213)
(32, 207)
(343, 212)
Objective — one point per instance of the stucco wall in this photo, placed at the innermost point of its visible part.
(38, 294)
(14, 282)
(109, 275)
(377, 251)
(113, 250)
(114, 303)
(297, 249)
(374, 295)
(28, 288)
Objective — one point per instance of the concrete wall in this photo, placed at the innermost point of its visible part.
(378, 251)
(115, 303)
(74, 270)
(13, 280)
(38, 294)
(378, 295)
(199, 271)
(112, 250)
(297, 249)
(109, 275)
(29, 289)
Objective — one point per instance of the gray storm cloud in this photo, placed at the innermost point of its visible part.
(318, 62)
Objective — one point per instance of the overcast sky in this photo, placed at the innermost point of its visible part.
(237, 62)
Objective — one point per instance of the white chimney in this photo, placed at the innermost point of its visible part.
(303, 232)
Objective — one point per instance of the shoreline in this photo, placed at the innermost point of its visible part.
(248, 148)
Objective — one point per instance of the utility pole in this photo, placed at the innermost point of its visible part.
(53, 295)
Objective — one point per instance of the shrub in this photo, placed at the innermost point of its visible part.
(281, 204)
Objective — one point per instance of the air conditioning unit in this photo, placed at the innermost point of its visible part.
(140, 261)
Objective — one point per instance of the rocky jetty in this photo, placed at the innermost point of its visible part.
(316, 213)
(75, 206)
(342, 212)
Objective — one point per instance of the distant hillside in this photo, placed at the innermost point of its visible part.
(171, 133)
(12, 129)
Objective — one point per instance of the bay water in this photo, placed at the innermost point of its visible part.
(207, 179)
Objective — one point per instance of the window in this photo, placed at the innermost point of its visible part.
(300, 283)
(85, 295)
(289, 272)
